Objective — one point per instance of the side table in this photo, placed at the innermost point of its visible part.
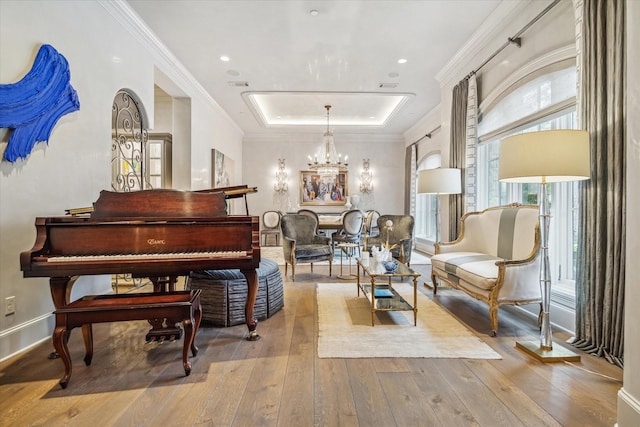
(348, 249)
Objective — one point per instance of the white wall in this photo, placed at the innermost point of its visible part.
(629, 395)
(72, 169)
(386, 154)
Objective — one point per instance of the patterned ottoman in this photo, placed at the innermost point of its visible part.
(224, 293)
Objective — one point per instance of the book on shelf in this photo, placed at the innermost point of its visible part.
(383, 293)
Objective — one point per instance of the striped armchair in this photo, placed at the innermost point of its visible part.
(495, 258)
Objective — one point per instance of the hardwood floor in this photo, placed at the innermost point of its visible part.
(279, 380)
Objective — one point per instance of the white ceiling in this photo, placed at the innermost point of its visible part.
(294, 63)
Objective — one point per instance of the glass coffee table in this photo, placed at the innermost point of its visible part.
(380, 292)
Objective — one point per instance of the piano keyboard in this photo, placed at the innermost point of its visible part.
(133, 257)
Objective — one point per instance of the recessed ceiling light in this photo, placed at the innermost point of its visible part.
(402, 61)
(313, 12)
(224, 58)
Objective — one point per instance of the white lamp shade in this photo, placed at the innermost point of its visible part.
(550, 156)
(439, 181)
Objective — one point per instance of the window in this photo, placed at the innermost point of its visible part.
(425, 221)
(545, 103)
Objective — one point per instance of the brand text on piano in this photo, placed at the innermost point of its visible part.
(153, 242)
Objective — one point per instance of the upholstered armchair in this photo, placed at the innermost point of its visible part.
(400, 234)
(301, 244)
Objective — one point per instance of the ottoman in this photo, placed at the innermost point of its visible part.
(224, 293)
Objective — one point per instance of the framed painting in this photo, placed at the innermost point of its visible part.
(222, 168)
(319, 190)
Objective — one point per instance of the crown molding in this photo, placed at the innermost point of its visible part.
(316, 138)
(171, 66)
(488, 34)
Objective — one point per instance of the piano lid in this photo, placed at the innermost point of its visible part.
(159, 203)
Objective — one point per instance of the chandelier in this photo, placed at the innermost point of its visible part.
(328, 164)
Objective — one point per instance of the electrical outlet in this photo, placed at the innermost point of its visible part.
(9, 305)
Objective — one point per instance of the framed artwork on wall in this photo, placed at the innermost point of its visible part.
(222, 168)
(319, 190)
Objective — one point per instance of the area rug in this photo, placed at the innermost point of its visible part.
(275, 253)
(345, 331)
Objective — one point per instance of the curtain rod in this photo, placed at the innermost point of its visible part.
(428, 135)
(516, 38)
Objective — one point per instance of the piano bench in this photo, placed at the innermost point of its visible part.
(177, 306)
(224, 293)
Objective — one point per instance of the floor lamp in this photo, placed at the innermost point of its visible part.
(545, 157)
(439, 181)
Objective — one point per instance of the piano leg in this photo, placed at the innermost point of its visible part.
(60, 339)
(87, 335)
(60, 293)
(252, 293)
(197, 316)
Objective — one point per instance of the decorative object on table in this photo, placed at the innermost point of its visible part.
(543, 157)
(390, 266)
(388, 228)
(380, 254)
(398, 238)
(366, 177)
(348, 204)
(355, 201)
(33, 105)
(281, 185)
(439, 181)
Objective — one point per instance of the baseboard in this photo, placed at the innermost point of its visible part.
(561, 318)
(628, 409)
(26, 335)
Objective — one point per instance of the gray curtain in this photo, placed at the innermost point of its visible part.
(457, 155)
(600, 278)
(410, 178)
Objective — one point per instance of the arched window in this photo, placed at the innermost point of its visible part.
(425, 220)
(543, 103)
(128, 144)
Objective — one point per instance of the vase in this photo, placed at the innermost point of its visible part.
(348, 203)
(355, 200)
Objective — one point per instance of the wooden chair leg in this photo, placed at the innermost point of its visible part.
(493, 318)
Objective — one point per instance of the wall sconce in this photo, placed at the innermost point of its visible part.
(366, 177)
(281, 185)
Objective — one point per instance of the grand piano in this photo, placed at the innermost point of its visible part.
(159, 234)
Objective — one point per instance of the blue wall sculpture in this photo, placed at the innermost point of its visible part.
(33, 106)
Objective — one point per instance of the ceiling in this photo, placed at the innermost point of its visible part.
(288, 59)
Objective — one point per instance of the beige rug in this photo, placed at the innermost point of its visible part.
(345, 331)
(275, 253)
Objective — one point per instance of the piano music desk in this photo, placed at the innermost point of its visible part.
(178, 306)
